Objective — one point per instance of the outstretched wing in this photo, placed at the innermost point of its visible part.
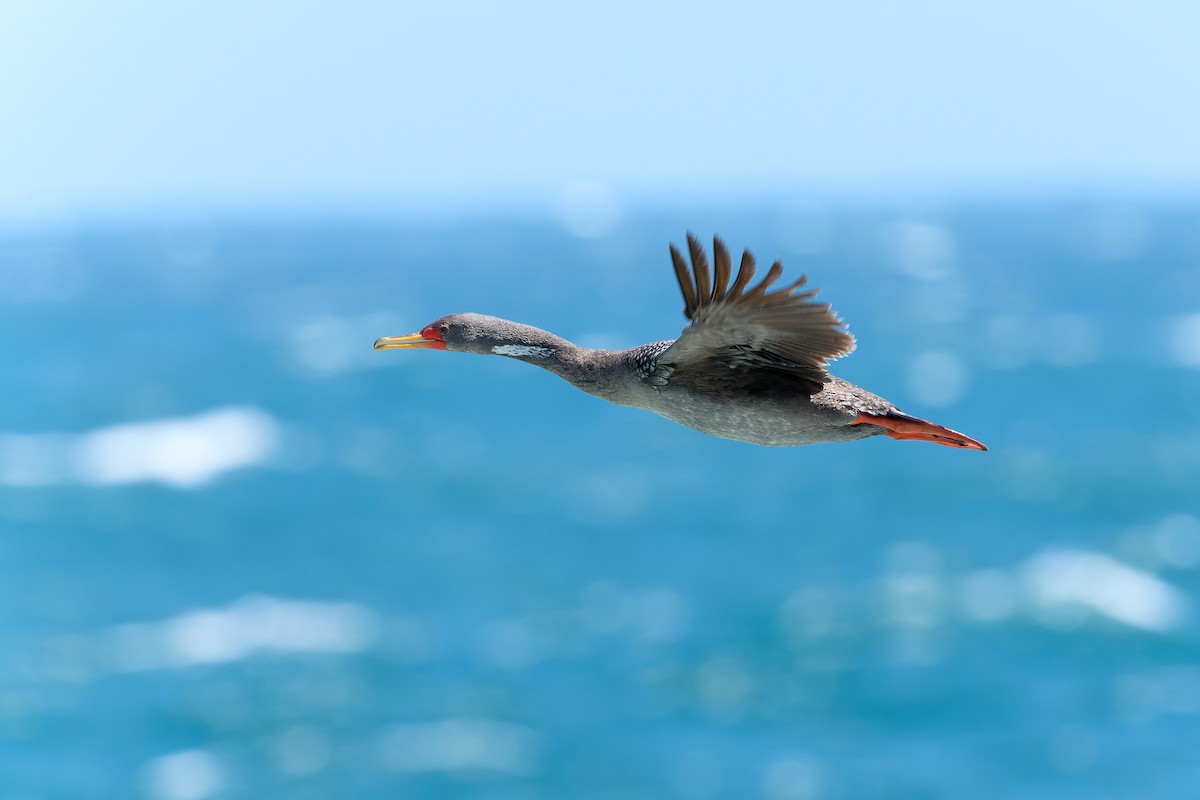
(734, 325)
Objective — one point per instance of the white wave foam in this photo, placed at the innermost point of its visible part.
(184, 452)
(253, 625)
(183, 775)
(1062, 583)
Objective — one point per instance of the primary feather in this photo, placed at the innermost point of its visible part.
(781, 330)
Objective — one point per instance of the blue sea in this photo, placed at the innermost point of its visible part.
(244, 555)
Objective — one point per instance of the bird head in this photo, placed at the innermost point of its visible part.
(468, 333)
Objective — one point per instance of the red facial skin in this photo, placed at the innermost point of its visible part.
(436, 342)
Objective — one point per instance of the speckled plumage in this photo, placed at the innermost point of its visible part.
(750, 366)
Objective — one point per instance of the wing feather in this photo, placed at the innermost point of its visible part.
(745, 273)
(684, 275)
(760, 291)
(723, 266)
(700, 267)
(733, 326)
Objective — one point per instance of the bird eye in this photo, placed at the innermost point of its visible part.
(443, 329)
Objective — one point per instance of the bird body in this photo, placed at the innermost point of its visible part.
(750, 366)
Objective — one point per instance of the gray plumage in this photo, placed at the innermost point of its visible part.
(750, 366)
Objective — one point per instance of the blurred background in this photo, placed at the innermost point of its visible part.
(244, 555)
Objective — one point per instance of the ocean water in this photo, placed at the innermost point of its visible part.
(244, 555)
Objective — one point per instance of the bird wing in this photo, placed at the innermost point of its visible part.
(735, 325)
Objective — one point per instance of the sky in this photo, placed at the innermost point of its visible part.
(140, 107)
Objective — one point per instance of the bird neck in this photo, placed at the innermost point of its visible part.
(581, 366)
(525, 343)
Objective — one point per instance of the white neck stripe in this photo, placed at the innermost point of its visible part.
(529, 350)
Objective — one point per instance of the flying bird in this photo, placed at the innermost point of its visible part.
(750, 365)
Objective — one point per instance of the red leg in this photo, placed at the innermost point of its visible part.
(904, 427)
